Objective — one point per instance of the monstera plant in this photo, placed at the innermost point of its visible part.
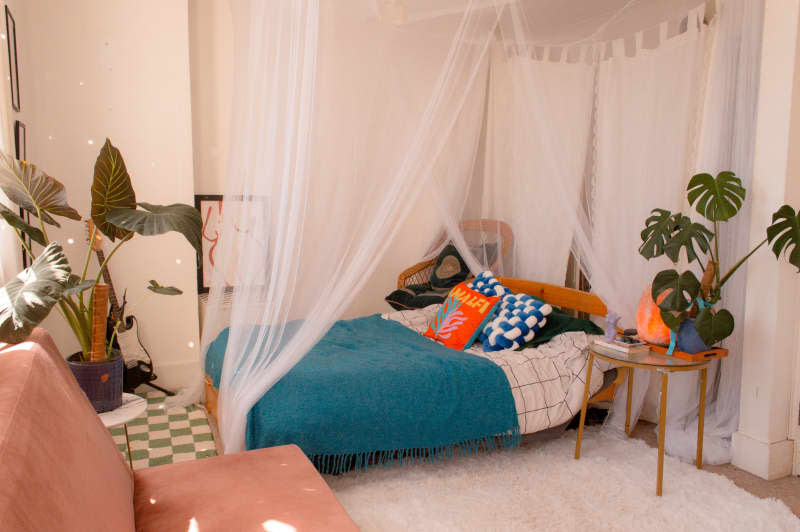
(50, 281)
(681, 295)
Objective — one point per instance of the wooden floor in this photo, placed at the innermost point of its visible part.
(786, 489)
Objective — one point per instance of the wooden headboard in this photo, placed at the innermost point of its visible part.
(559, 296)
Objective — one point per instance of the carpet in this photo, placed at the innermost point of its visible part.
(542, 487)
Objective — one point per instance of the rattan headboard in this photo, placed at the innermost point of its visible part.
(559, 296)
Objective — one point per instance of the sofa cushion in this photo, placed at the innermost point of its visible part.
(59, 467)
(258, 490)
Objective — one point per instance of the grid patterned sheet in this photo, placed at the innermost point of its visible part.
(547, 382)
(161, 436)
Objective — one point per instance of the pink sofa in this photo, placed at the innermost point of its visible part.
(60, 469)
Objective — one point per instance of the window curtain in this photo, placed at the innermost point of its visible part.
(10, 248)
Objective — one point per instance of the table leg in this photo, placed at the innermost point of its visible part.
(662, 427)
(701, 417)
(585, 405)
(128, 443)
(628, 404)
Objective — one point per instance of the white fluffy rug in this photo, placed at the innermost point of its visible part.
(542, 487)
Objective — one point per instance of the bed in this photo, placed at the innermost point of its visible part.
(374, 391)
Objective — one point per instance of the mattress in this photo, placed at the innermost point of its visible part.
(547, 381)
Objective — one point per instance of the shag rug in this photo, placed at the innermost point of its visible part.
(542, 487)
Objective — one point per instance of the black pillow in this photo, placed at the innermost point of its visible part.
(416, 296)
(450, 269)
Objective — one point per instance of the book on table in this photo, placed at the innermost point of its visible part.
(625, 344)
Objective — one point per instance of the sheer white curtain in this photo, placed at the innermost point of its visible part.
(517, 111)
(10, 249)
(339, 121)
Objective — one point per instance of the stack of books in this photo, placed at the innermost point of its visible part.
(624, 344)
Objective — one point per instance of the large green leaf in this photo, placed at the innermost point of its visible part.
(717, 199)
(29, 187)
(784, 233)
(75, 286)
(686, 235)
(713, 326)
(685, 288)
(26, 300)
(14, 220)
(673, 320)
(159, 219)
(658, 229)
(111, 189)
(164, 290)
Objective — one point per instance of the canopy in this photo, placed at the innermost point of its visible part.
(361, 129)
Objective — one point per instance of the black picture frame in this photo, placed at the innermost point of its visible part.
(20, 152)
(13, 68)
(201, 201)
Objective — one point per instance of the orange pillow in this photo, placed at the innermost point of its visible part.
(461, 318)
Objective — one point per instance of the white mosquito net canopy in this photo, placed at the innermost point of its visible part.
(566, 120)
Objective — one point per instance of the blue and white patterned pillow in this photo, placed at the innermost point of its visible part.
(519, 317)
(486, 284)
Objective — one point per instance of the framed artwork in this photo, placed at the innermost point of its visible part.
(211, 212)
(210, 207)
(13, 69)
(20, 153)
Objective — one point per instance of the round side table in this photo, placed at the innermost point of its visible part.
(132, 407)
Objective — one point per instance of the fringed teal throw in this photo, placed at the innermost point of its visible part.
(373, 392)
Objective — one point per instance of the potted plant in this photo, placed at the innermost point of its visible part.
(688, 306)
(50, 282)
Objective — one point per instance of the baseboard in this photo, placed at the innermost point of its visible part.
(763, 459)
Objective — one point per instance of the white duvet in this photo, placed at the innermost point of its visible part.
(547, 382)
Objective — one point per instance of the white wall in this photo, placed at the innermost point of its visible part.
(211, 51)
(95, 69)
(762, 445)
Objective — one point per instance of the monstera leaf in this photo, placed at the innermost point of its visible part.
(713, 326)
(15, 221)
(673, 320)
(685, 288)
(27, 299)
(164, 290)
(75, 286)
(785, 233)
(159, 219)
(29, 187)
(111, 189)
(686, 235)
(657, 231)
(717, 199)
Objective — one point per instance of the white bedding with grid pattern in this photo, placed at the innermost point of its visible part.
(547, 381)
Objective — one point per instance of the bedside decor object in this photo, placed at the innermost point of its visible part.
(649, 325)
(13, 69)
(681, 297)
(612, 319)
(26, 300)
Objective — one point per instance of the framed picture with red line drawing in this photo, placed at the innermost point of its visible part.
(211, 211)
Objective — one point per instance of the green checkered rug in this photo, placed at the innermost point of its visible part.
(162, 436)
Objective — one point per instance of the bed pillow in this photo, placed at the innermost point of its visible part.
(450, 269)
(560, 323)
(518, 319)
(486, 284)
(462, 317)
(416, 296)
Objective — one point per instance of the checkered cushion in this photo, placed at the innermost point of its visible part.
(486, 284)
(518, 318)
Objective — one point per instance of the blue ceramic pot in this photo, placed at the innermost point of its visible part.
(689, 340)
(100, 381)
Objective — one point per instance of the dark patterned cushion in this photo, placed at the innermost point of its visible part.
(416, 296)
(450, 269)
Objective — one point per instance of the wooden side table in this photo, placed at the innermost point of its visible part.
(132, 407)
(652, 361)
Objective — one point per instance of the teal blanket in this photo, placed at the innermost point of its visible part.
(373, 392)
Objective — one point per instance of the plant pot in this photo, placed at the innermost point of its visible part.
(689, 340)
(100, 381)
